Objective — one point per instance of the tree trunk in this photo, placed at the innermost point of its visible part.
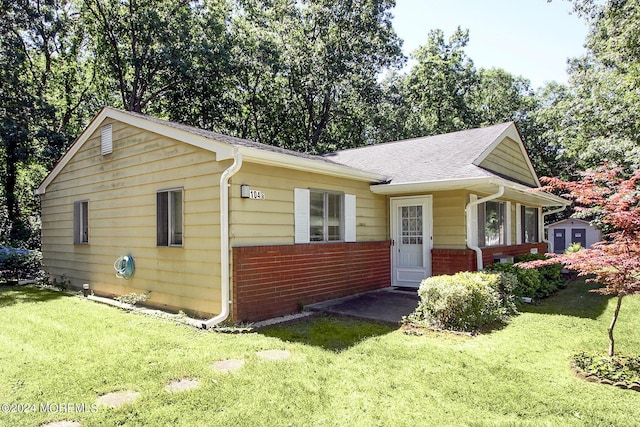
(10, 178)
(613, 324)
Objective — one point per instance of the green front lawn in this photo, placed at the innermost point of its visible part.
(58, 349)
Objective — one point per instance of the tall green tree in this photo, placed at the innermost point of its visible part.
(439, 86)
(18, 104)
(43, 87)
(546, 121)
(317, 66)
(602, 119)
(498, 96)
(145, 49)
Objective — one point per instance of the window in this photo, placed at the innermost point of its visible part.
(492, 223)
(169, 217)
(81, 222)
(529, 224)
(324, 216)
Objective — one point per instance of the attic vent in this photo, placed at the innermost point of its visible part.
(106, 139)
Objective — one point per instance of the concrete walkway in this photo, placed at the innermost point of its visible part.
(386, 305)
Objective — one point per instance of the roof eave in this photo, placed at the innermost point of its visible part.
(309, 165)
(472, 184)
(223, 150)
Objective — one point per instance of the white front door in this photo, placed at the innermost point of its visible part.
(411, 232)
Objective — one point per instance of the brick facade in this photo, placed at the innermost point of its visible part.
(450, 261)
(271, 281)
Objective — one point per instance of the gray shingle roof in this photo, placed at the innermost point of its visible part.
(430, 158)
(231, 140)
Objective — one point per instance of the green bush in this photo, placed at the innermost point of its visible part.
(551, 275)
(465, 301)
(18, 264)
(529, 281)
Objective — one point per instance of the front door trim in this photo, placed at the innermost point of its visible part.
(411, 276)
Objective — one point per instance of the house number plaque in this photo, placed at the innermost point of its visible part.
(257, 195)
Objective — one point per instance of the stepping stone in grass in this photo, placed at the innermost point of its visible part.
(183, 384)
(274, 354)
(228, 365)
(118, 398)
(62, 424)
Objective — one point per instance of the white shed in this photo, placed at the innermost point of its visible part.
(564, 233)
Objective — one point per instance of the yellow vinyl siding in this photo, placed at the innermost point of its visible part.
(121, 188)
(507, 159)
(449, 229)
(449, 220)
(271, 221)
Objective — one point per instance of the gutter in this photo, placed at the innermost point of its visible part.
(468, 211)
(225, 284)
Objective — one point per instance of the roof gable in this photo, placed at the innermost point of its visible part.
(507, 156)
(224, 146)
(453, 156)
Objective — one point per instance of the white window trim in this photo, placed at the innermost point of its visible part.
(302, 233)
(522, 224)
(518, 223)
(170, 217)
(78, 223)
(506, 223)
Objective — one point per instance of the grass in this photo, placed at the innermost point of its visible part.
(60, 349)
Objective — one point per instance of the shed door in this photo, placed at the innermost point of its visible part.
(559, 242)
(411, 220)
(579, 235)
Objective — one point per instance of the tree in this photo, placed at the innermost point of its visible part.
(144, 48)
(307, 71)
(439, 86)
(43, 89)
(540, 129)
(605, 194)
(602, 117)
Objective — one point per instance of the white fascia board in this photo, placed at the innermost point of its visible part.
(288, 161)
(545, 199)
(421, 186)
(223, 150)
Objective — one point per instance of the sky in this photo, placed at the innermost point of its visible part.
(530, 38)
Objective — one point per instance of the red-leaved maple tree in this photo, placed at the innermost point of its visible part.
(614, 200)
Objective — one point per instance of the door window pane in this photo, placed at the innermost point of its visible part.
(411, 225)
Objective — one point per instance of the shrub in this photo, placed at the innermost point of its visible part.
(613, 368)
(529, 281)
(17, 264)
(465, 301)
(551, 275)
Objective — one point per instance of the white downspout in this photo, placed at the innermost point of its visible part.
(544, 214)
(225, 284)
(469, 209)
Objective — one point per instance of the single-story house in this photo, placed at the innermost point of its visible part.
(222, 226)
(572, 230)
